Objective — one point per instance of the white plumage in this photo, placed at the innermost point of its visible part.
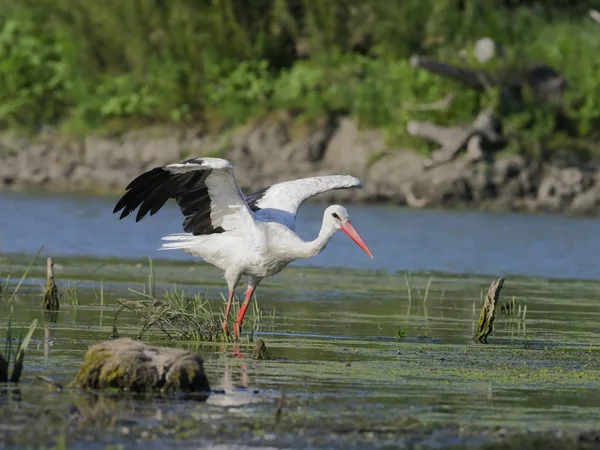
(251, 235)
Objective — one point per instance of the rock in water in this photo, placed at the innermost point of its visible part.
(260, 351)
(134, 366)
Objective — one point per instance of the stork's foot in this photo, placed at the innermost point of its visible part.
(225, 329)
(237, 330)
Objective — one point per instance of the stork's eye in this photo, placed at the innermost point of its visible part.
(335, 215)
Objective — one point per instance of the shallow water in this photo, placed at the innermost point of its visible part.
(349, 380)
(401, 239)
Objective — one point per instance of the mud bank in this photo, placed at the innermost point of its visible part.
(281, 148)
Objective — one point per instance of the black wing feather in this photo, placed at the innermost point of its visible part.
(252, 199)
(151, 190)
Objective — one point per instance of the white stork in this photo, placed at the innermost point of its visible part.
(251, 235)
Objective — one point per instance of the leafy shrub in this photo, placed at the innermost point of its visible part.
(89, 62)
(34, 78)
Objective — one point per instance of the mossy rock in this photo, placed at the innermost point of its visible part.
(260, 350)
(130, 365)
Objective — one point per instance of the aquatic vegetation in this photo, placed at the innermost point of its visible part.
(409, 288)
(9, 352)
(180, 316)
(401, 333)
(7, 283)
(4, 284)
(71, 294)
(23, 342)
(514, 310)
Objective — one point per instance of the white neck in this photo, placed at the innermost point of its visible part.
(313, 248)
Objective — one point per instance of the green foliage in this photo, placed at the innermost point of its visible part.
(84, 63)
(242, 93)
(34, 78)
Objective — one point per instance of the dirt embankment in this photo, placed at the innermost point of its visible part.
(280, 148)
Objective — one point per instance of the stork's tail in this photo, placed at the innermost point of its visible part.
(180, 241)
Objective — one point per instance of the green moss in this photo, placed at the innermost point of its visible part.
(124, 364)
(50, 302)
(89, 373)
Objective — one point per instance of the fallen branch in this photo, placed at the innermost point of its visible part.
(50, 382)
(440, 105)
(453, 139)
(485, 325)
(475, 79)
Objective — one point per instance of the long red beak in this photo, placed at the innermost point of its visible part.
(353, 234)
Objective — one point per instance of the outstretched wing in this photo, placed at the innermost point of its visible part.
(204, 188)
(281, 201)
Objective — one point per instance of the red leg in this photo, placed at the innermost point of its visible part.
(227, 309)
(237, 327)
(237, 352)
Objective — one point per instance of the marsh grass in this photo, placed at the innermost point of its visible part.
(514, 310)
(422, 297)
(185, 317)
(4, 285)
(516, 315)
(23, 342)
(71, 294)
(182, 316)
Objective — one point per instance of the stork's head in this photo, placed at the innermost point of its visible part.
(338, 218)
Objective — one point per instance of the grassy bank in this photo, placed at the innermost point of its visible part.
(82, 65)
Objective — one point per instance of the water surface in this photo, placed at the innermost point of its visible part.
(368, 353)
(365, 360)
(400, 238)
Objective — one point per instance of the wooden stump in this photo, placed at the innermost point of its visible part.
(50, 302)
(485, 324)
(134, 366)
